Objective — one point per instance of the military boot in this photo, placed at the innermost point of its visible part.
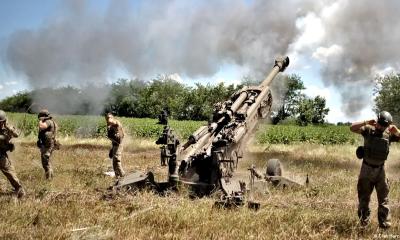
(364, 217)
(19, 192)
(384, 222)
(385, 225)
(120, 173)
(49, 174)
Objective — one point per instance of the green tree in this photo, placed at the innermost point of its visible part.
(161, 93)
(136, 98)
(198, 101)
(387, 95)
(320, 110)
(124, 97)
(292, 97)
(312, 111)
(19, 102)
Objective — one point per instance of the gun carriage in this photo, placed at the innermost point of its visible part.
(209, 158)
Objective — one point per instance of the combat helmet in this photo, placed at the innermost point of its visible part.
(3, 116)
(44, 113)
(384, 118)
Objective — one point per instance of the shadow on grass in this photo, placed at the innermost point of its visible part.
(90, 146)
(71, 146)
(344, 227)
(7, 194)
(299, 160)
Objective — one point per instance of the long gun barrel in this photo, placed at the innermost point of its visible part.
(232, 121)
(280, 65)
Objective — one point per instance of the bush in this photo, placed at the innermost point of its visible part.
(287, 134)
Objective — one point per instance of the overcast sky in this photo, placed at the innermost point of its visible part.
(337, 47)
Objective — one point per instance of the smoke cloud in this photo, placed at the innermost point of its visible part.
(190, 38)
(361, 38)
(195, 38)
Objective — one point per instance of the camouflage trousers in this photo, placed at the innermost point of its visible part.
(369, 179)
(45, 154)
(8, 170)
(116, 156)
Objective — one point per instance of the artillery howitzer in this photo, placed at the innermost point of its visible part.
(210, 157)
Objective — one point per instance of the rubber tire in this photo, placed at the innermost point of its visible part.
(274, 167)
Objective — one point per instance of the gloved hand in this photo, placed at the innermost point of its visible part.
(371, 122)
(393, 129)
(10, 147)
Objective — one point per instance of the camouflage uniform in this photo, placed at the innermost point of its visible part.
(116, 134)
(163, 117)
(46, 143)
(6, 133)
(372, 174)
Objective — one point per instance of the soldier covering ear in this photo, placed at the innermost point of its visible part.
(378, 134)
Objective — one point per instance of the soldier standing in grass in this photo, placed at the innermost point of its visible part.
(47, 142)
(7, 132)
(377, 137)
(116, 134)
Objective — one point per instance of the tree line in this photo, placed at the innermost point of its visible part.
(128, 98)
(387, 95)
(141, 99)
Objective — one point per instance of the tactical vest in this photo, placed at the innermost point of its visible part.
(376, 147)
(46, 136)
(4, 140)
(115, 133)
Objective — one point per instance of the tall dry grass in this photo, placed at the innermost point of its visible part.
(73, 206)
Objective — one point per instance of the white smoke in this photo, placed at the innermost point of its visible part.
(359, 40)
(351, 39)
(189, 38)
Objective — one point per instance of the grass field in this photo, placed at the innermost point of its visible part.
(74, 206)
(94, 127)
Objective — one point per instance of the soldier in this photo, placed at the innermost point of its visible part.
(377, 137)
(163, 117)
(116, 134)
(7, 132)
(47, 142)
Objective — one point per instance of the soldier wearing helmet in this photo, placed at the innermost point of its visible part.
(47, 142)
(378, 134)
(7, 132)
(116, 134)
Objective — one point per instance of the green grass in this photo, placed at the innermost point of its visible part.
(73, 206)
(288, 134)
(94, 127)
